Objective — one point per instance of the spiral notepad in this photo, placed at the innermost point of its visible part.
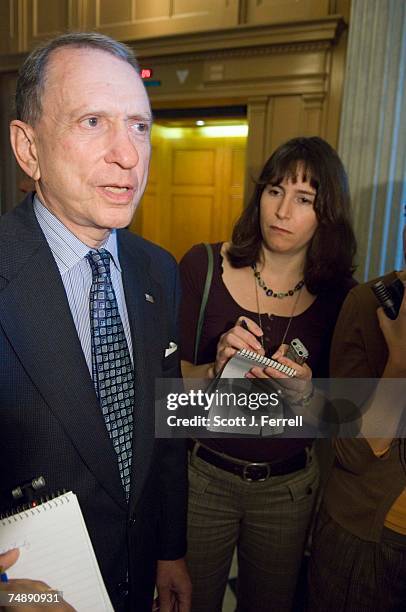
(244, 360)
(55, 547)
(229, 417)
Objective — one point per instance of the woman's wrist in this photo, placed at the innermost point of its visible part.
(210, 371)
(396, 364)
(305, 398)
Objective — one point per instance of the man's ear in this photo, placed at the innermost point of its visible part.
(22, 140)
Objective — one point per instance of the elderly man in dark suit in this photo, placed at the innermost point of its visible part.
(87, 313)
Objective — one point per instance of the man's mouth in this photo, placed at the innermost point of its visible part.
(120, 194)
(115, 189)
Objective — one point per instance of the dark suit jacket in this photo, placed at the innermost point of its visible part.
(50, 421)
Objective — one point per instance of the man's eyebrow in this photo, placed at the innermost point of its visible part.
(141, 117)
(85, 111)
(82, 111)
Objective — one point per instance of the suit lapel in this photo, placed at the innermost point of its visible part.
(35, 315)
(144, 316)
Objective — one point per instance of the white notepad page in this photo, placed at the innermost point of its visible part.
(55, 547)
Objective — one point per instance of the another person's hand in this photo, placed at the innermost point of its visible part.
(394, 332)
(238, 338)
(174, 586)
(25, 586)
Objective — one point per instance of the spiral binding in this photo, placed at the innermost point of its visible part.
(47, 502)
(267, 362)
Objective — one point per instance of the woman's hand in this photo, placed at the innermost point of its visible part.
(394, 332)
(238, 338)
(296, 389)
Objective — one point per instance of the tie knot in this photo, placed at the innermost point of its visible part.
(99, 262)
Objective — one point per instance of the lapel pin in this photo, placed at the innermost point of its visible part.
(149, 298)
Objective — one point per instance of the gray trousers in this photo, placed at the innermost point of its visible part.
(267, 522)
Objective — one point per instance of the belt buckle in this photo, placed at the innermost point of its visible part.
(246, 478)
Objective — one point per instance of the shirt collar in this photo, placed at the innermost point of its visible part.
(66, 248)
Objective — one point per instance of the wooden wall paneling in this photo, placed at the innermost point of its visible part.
(199, 15)
(334, 89)
(195, 191)
(286, 69)
(148, 220)
(138, 19)
(256, 141)
(145, 217)
(274, 11)
(44, 19)
(245, 37)
(286, 123)
(8, 26)
(341, 7)
(225, 185)
(232, 185)
(190, 222)
(313, 107)
(120, 11)
(295, 116)
(181, 7)
(193, 167)
(10, 173)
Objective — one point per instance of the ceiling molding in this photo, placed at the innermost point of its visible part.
(239, 41)
(279, 36)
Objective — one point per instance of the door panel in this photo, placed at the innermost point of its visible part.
(195, 192)
(193, 166)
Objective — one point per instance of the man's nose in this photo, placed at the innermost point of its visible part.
(122, 149)
(284, 208)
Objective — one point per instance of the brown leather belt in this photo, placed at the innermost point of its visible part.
(250, 471)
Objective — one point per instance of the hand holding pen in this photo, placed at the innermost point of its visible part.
(245, 334)
(23, 586)
(244, 325)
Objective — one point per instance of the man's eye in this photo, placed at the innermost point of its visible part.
(141, 127)
(91, 122)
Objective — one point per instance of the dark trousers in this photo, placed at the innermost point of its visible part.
(347, 574)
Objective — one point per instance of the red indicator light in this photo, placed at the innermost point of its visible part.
(146, 73)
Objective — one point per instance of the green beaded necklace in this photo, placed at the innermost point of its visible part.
(276, 294)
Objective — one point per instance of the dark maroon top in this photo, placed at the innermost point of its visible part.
(314, 327)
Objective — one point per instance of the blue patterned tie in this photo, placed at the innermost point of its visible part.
(113, 375)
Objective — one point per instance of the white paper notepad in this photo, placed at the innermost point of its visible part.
(55, 547)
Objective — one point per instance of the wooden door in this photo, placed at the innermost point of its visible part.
(195, 189)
